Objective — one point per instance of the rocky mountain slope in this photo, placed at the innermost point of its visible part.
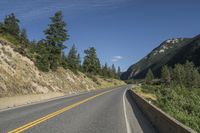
(170, 52)
(19, 76)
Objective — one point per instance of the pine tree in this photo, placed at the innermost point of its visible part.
(33, 46)
(56, 35)
(1, 27)
(179, 75)
(119, 72)
(79, 62)
(23, 37)
(195, 79)
(192, 75)
(105, 70)
(24, 41)
(110, 74)
(165, 75)
(73, 59)
(189, 69)
(42, 59)
(11, 25)
(98, 66)
(91, 63)
(186, 75)
(113, 70)
(64, 61)
(149, 77)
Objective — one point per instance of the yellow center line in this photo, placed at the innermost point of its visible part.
(51, 115)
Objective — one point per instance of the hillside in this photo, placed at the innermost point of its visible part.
(20, 76)
(170, 52)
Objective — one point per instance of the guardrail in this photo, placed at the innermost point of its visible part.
(162, 122)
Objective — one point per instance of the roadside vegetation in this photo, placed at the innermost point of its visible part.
(177, 92)
(48, 53)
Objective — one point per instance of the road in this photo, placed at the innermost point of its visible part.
(102, 111)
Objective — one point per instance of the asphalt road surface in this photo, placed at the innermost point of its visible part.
(102, 111)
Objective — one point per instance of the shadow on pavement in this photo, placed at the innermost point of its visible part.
(144, 124)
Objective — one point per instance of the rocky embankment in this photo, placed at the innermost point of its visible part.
(19, 76)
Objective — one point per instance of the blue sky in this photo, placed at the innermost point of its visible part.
(123, 31)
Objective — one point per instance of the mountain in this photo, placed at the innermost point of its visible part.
(169, 52)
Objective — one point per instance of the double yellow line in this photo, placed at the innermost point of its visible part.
(51, 115)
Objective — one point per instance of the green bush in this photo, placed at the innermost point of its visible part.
(182, 104)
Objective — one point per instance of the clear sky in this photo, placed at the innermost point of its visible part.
(123, 31)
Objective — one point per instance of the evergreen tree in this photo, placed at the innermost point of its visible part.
(186, 75)
(105, 70)
(24, 42)
(64, 61)
(73, 59)
(165, 75)
(195, 79)
(91, 63)
(189, 69)
(11, 25)
(179, 75)
(113, 71)
(56, 35)
(1, 27)
(23, 37)
(98, 66)
(192, 75)
(119, 72)
(42, 59)
(79, 62)
(149, 77)
(110, 74)
(33, 46)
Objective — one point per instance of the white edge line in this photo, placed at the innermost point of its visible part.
(126, 118)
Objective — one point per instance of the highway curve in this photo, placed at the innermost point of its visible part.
(102, 111)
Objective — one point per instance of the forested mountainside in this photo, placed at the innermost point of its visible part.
(170, 52)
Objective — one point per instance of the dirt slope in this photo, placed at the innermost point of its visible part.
(19, 76)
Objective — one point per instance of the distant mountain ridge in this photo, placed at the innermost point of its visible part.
(169, 52)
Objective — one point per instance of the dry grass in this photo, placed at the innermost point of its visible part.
(148, 96)
(19, 76)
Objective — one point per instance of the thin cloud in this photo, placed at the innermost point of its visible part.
(116, 58)
(30, 9)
